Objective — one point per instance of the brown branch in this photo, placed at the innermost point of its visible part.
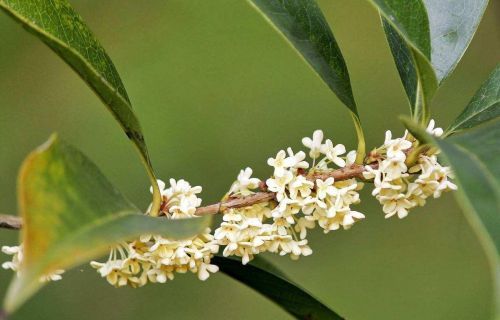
(349, 172)
(10, 222)
(259, 197)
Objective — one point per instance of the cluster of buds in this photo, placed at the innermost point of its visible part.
(304, 196)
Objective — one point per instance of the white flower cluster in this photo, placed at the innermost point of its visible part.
(279, 226)
(399, 188)
(282, 227)
(153, 258)
(17, 257)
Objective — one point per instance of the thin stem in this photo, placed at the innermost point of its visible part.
(361, 150)
(10, 222)
(348, 172)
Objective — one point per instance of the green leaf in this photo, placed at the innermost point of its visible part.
(427, 39)
(474, 156)
(56, 24)
(407, 30)
(452, 25)
(263, 277)
(484, 106)
(72, 214)
(302, 24)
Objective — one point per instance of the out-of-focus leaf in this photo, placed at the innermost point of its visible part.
(72, 214)
(266, 279)
(474, 156)
(452, 25)
(56, 24)
(484, 106)
(303, 26)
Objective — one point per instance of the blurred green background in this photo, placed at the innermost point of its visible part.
(216, 89)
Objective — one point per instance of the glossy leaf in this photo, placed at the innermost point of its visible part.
(452, 25)
(484, 106)
(72, 214)
(474, 156)
(407, 30)
(266, 279)
(427, 39)
(63, 30)
(303, 26)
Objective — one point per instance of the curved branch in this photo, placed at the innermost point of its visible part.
(349, 172)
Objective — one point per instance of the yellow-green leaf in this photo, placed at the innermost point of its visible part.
(56, 24)
(72, 214)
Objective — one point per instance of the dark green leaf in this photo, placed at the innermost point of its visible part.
(474, 156)
(304, 27)
(484, 106)
(263, 277)
(63, 30)
(72, 214)
(452, 25)
(407, 29)
(427, 39)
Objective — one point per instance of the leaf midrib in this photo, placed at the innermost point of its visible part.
(61, 43)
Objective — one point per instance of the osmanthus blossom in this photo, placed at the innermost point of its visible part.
(315, 144)
(281, 225)
(17, 258)
(153, 258)
(399, 188)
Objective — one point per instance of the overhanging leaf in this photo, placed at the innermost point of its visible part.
(266, 279)
(474, 156)
(427, 39)
(452, 25)
(407, 30)
(484, 106)
(303, 26)
(72, 214)
(63, 30)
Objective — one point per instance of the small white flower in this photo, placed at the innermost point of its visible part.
(281, 163)
(435, 131)
(279, 184)
(397, 204)
(297, 159)
(302, 225)
(393, 169)
(332, 153)
(300, 187)
(324, 187)
(351, 157)
(396, 147)
(244, 184)
(314, 144)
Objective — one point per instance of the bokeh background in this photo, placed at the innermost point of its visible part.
(216, 90)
